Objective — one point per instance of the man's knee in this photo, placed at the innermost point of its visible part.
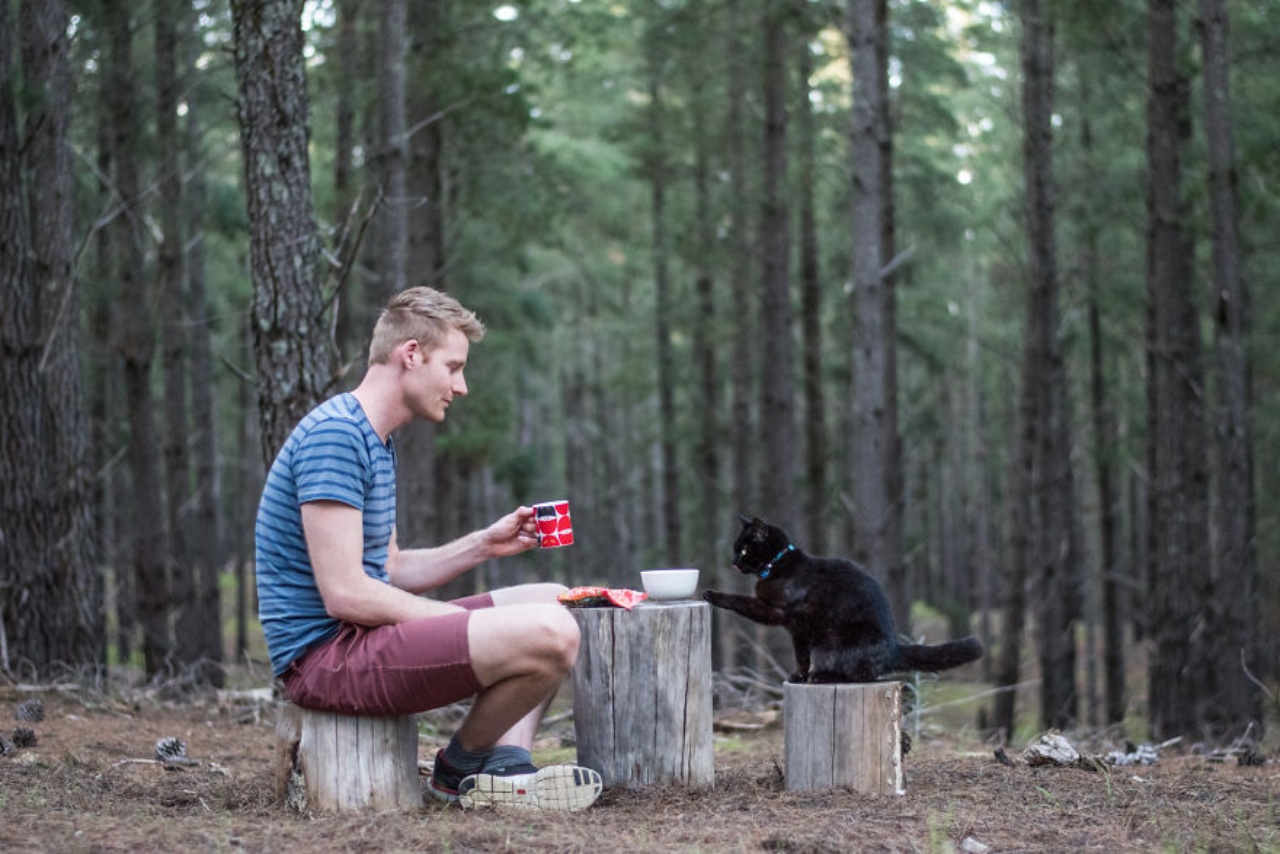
(560, 632)
(522, 639)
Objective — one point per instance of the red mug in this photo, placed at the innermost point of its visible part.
(555, 527)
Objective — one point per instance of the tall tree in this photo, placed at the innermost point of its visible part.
(1051, 484)
(816, 450)
(872, 476)
(288, 330)
(657, 171)
(134, 340)
(21, 465)
(74, 621)
(393, 147)
(743, 293)
(1106, 440)
(343, 212)
(175, 324)
(206, 511)
(777, 420)
(707, 459)
(1232, 612)
(1177, 573)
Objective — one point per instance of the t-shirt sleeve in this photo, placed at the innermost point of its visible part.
(331, 463)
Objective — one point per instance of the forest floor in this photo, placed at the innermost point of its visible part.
(90, 783)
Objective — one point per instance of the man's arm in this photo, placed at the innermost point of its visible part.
(335, 543)
(421, 570)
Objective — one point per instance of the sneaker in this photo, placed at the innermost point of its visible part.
(445, 780)
(557, 787)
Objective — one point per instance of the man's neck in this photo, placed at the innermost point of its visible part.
(379, 397)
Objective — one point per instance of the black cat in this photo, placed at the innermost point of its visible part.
(837, 615)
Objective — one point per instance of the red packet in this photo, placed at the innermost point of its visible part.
(601, 597)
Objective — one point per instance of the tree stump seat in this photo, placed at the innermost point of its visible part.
(845, 735)
(327, 762)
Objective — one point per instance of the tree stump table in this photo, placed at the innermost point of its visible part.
(642, 694)
(341, 763)
(847, 735)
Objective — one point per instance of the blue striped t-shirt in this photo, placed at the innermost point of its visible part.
(333, 454)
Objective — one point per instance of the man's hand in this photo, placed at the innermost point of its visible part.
(512, 534)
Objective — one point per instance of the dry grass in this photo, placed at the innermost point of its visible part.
(84, 788)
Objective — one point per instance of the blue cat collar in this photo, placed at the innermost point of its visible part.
(768, 567)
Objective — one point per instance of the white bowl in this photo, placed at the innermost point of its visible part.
(669, 583)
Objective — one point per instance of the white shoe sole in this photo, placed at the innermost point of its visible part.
(566, 788)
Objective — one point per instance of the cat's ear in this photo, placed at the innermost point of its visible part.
(744, 521)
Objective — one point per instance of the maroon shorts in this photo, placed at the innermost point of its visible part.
(396, 669)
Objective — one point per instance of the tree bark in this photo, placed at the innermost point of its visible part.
(777, 420)
(175, 325)
(1179, 553)
(743, 294)
(669, 495)
(207, 523)
(1233, 610)
(394, 147)
(51, 592)
(707, 459)
(293, 360)
(1055, 549)
(816, 450)
(875, 509)
(135, 342)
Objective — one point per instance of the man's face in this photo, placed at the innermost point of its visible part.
(436, 377)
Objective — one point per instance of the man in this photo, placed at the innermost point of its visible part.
(340, 603)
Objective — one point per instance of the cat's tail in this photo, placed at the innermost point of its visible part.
(940, 656)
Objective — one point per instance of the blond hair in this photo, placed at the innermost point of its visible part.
(422, 314)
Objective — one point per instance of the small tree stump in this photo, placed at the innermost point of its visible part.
(342, 763)
(844, 736)
(642, 694)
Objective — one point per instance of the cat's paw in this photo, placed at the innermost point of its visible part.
(798, 678)
(715, 597)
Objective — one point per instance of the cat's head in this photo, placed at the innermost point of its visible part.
(758, 545)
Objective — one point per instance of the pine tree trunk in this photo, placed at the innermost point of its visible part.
(348, 319)
(50, 588)
(874, 440)
(136, 345)
(288, 327)
(207, 551)
(816, 451)
(1179, 553)
(668, 496)
(742, 294)
(1055, 554)
(777, 418)
(175, 325)
(393, 215)
(706, 342)
(23, 469)
(1233, 612)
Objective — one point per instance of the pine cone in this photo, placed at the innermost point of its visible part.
(169, 749)
(30, 711)
(6, 746)
(23, 737)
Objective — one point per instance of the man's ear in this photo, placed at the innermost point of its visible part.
(410, 353)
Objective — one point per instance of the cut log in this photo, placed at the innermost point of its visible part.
(843, 736)
(340, 763)
(642, 694)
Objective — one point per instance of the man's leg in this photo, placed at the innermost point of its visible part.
(526, 729)
(520, 651)
(520, 654)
